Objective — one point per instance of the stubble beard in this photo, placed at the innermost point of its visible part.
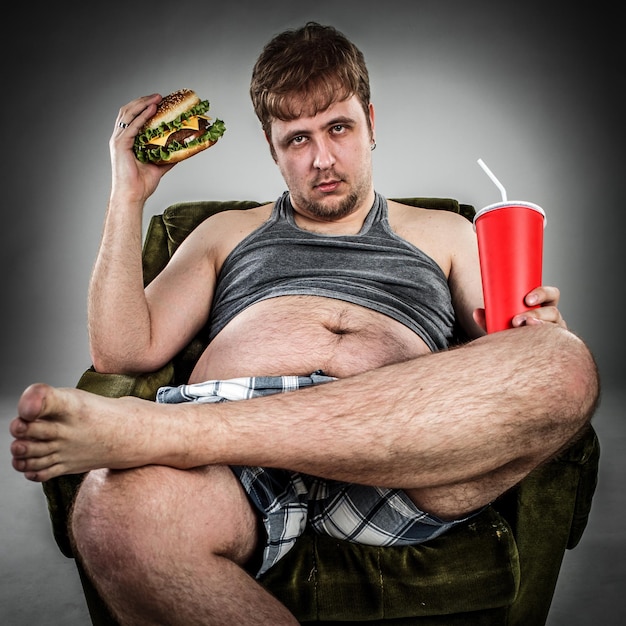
(333, 211)
(329, 210)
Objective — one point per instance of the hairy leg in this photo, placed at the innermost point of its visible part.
(167, 546)
(496, 407)
(455, 429)
(456, 500)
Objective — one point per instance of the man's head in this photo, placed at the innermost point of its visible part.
(310, 90)
(302, 72)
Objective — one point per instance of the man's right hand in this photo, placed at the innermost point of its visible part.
(133, 181)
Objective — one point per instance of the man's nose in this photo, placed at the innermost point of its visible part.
(324, 156)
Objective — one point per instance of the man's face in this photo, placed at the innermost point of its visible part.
(326, 159)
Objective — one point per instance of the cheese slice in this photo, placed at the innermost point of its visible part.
(192, 123)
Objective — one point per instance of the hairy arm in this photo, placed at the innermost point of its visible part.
(135, 330)
(464, 277)
(132, 330)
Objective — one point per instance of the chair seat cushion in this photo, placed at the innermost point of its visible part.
(474, 567)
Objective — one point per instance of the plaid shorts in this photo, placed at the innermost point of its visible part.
(287, 500)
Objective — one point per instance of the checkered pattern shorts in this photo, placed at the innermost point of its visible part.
(287, 500)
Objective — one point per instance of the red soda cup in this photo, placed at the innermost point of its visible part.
(510, 247)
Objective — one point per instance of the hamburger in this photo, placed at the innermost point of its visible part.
(179, 129)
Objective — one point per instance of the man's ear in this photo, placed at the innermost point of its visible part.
(372, 117)
(271, 145)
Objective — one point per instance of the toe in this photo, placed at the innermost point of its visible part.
(18, 427)
(32, 402)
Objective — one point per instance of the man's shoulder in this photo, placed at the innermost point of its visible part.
(438, 233)
(234, 216)
(221, 232)
(406, 216)
(235, 220)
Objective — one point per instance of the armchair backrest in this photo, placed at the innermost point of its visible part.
(167, 231)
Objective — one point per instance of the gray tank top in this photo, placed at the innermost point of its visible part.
(375, 269)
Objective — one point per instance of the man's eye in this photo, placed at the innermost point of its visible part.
(339, 128)
(298, 140)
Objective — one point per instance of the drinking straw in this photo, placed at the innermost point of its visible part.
(496, 182)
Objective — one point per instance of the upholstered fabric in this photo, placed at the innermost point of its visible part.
(499, 568)
(328, 580)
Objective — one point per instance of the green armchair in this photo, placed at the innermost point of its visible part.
(499, 568)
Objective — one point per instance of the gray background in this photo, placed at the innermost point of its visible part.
(534, 88)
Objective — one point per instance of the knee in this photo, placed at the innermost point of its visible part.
(105, 518)
(567, 382)
(554, 359)
(579, 374)
(145, 516)
(124, 518)
(552, 368)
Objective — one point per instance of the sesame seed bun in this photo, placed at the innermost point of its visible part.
(172, 106)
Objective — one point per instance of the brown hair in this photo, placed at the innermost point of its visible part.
(304, 71)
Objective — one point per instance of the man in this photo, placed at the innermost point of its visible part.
(394, 440)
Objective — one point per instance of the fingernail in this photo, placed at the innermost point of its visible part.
(518, 320)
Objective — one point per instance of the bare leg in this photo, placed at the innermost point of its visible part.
(166, 546)
(455, 429)
(68, 431)
(482, 415)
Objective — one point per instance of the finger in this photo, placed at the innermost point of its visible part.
(136, 113)
(541, 315)
(543, 296)
(480, 319)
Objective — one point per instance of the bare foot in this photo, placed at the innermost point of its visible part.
(69, 431)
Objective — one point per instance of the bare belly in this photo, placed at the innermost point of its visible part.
(301, 334)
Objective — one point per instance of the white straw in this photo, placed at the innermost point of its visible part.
(496, 182)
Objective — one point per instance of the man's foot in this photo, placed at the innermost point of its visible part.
(69, 431)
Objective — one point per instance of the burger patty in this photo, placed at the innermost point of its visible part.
(185, 135)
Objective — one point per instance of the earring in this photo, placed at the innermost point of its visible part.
(373, 146)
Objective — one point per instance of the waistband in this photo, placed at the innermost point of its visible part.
(233, 389)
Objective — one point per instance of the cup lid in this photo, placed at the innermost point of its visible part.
(511, 203)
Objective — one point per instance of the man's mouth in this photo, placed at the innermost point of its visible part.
(327, 186)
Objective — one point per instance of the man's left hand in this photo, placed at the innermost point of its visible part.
(546, 299)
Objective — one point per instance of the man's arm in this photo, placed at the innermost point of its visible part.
(131, 330)
(464, 277)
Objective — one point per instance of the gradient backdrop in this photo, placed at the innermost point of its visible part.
(534, 88)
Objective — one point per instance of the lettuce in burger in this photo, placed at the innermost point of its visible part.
(179, 129)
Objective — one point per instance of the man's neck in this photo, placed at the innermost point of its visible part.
(344, 224)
